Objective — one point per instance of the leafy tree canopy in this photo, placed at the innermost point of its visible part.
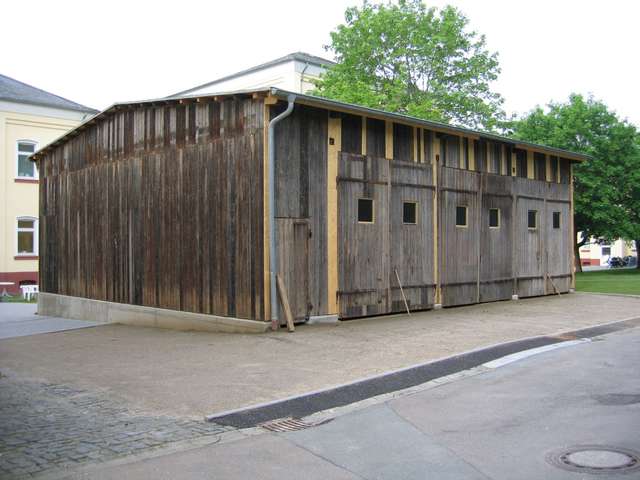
(606, 191)
(415, 60)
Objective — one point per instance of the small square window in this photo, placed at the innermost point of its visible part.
(494, 217)
(556, 219)
(365, 210)
(461, 216)
(532, 219)
(409, 213)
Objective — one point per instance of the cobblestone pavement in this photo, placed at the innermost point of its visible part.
(45, 427)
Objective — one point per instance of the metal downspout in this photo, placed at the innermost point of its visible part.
(273, 254)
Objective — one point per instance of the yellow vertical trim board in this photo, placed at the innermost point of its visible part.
(461, 152)
(437, 293)
(472, 154)
(572, 233)
(364, 135)
(334, 134)
(489, 164)
(503, 161)
(265, 203)
(547, 159)
(531, 174)
(415, 145)
(388, 143)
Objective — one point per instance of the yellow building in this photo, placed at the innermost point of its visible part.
(29, 119)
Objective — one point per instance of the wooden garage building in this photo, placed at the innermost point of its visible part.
(164, 205)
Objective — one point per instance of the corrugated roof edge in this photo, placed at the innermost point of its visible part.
(327, 103)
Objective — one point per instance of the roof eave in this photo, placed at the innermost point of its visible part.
(310, 99)
(327, 103)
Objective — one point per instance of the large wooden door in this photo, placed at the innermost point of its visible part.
(293, 259)
(411, 236)
(363, 246)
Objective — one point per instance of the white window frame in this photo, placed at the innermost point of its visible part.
(36, 175)
(35, 231)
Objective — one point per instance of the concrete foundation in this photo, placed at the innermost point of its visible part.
(77, 308)
(320, 319)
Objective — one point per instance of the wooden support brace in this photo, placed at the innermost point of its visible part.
(406, 304)
(284, 301)
(555, 289)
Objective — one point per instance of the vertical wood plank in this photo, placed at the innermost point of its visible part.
(472, 154)
(572, 232)
(388, 139)
(364, 135)
(435, 165)
(333, 147)
(531, 171)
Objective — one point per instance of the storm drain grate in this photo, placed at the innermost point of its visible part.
(595, 459)
(289, 424)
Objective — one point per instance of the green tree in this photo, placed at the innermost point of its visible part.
(415, 60)
(605, 186)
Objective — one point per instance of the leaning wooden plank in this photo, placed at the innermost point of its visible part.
(284, 301)
(553, 284)
(406, 305)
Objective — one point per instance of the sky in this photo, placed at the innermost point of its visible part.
(99, 53)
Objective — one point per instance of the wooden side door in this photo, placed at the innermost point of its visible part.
(293, 259)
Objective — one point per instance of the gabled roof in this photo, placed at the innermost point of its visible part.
(326, 103)
(296, 56)
(15, 91)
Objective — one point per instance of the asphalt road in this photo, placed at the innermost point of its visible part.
(507, 422)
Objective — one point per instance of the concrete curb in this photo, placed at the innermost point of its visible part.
(624, 295)
(54, 305)
(338, 396)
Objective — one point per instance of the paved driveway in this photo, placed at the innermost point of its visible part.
(193, 374)
(20, 319)
(94, 394)
(509, 423)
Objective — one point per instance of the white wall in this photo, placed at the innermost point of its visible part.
(287, 76)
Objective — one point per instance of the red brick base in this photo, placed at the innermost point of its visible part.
(16, 278)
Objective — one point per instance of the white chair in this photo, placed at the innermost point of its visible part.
(29, 291)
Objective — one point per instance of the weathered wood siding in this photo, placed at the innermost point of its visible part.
(159, 205)
(496, 243)
(162, 205)
(301, 194)
(459, 244)
(411, 246)
(363, 247)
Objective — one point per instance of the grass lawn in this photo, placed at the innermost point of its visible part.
(18, 299)
(609, 281)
